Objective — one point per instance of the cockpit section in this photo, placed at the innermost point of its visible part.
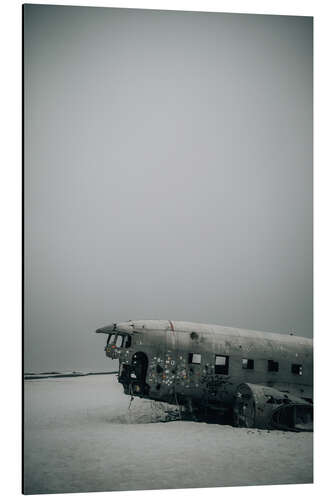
(115, 344)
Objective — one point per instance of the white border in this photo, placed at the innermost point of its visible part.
(10, 256)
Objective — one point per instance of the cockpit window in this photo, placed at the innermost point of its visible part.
(119, 341)
(112, 338)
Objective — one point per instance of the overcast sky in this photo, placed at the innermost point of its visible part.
(168, 174)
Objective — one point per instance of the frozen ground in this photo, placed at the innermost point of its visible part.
(80, 436)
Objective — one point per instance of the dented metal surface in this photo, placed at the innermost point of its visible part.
(203, 365)
(268, 408)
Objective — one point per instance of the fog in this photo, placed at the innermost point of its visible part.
(168, 174)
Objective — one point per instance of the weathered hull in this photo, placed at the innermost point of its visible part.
(204, 365)
(267, 408)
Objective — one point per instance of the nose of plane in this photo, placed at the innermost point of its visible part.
(106, 329)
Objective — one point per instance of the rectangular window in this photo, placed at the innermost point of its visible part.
(194, 359)
(112, 339)
(272, 366)
(221, 365)
(119, 341)
(128, 341)
(297, 369)
(247, 364)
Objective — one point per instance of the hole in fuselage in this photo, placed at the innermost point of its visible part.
(140, 365)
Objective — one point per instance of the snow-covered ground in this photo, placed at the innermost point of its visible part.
(80, 436)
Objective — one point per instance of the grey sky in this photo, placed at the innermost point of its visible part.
(168, 174)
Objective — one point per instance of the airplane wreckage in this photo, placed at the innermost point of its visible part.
(264, 380)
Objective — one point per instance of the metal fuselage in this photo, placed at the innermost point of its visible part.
(177, 362)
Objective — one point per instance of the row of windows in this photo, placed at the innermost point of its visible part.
(222, 364)
(119, 340)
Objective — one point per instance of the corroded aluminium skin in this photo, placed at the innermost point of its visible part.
(170, 377)
(266, 407)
